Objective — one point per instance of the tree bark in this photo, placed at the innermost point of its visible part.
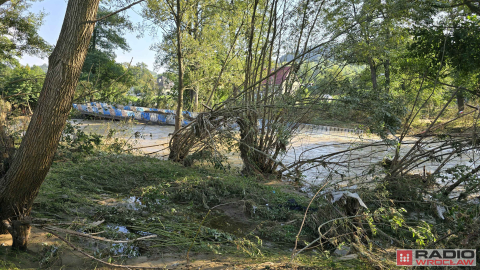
(94, 40)
(20, 230)
(373, 73)
(235, 92)
(195, 99)
(386, 65)
(179, 114)
(7, 143)
(460, 101)
(22, 181)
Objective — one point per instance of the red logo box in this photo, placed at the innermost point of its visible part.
(404, 257)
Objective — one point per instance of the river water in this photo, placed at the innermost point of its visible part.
(153, 140)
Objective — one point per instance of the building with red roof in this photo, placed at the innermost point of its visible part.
(283, 81)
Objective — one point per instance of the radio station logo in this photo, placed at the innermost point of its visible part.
(436, 257)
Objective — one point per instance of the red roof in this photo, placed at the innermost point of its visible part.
(279, 77)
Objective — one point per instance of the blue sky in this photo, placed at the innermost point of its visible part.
(50, 30)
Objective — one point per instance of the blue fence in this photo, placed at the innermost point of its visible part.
(167, 117)
(160, 116)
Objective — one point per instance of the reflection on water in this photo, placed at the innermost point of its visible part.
(147, 138)
(153, 139)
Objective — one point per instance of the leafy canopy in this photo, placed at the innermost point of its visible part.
(19, 32)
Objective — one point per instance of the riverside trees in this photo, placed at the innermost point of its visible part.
(102, 77)
(18, 32)
(267, 110)
(374, 36)
(173, 11)
(21, 86)
(206, 32)
(242, 51)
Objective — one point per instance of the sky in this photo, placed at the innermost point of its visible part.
(52, 24)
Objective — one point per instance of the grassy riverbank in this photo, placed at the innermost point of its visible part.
(226, 220)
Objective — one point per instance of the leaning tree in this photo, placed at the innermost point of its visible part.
(19, 185)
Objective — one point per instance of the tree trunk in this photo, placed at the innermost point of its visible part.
(179, 114)
(22, 181)
(94, 40)
(20, 230)
(235, 92)
(373, 73)
(386, 65)
(460, 101)
(195, 99)
(7, 150)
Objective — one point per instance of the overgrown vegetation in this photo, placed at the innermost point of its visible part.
(212, 211)
(406, 72)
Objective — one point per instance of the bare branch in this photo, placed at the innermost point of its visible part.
(113, 13)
